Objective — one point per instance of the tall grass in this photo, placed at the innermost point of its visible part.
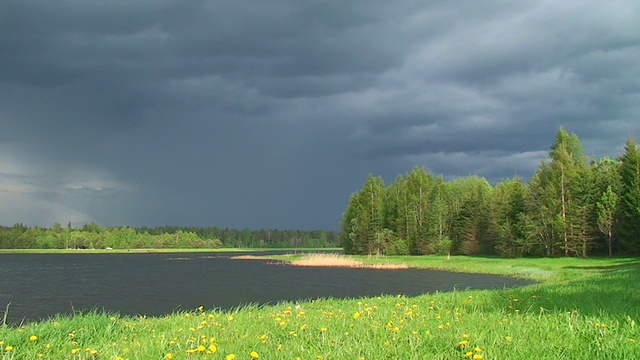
(580, 309)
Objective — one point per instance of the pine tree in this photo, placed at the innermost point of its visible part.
(606, 208)
(364, 218)
(508, 210)
(629, 214)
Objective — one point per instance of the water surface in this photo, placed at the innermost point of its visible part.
(39, 286)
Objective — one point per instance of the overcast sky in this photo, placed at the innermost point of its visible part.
(269, 114)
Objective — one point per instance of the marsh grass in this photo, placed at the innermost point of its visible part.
(580, 309)
(336, 260)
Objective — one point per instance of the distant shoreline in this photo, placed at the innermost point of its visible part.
(155, 251)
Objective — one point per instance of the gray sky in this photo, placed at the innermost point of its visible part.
(271, 113)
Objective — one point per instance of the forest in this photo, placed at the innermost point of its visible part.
(572, 205)
(93, 236)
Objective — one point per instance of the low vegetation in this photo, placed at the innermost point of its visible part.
(580, 309)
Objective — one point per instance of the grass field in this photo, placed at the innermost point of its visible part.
(580, 309)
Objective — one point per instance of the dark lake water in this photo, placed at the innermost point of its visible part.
(39, 286)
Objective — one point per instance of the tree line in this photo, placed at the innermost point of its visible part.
(571, 206)
(93, 236)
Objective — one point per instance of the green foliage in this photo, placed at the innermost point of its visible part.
(568, 208)
(606, 208)
(364, 219)
(93, 236)
(629, 210)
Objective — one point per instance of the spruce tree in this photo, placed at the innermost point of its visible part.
(629, 210)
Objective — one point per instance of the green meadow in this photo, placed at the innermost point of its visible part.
(578, 309)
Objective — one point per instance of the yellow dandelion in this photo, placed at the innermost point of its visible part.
(9, 348)
(356, 315)
(469, 354)
(254, 355)
(33, 338)
(463, 343)
(213, 348)
(75, 351)
(169, 356)
(477, 349)
(230, 357)
(477, 357)
(201, 348)
(324, 329)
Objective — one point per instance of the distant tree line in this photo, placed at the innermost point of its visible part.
(93, 236)
(571, 206)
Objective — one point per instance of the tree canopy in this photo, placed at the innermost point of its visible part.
(571, 206)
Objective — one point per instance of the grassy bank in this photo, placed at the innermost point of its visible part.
(581, 309)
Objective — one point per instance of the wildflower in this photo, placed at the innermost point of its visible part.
(508, 338)
(356, 315)
(169, 356)
(75, 351)
(8, 348)
(254, 355)
(213, 348)
(463, 343)
(33, 338)
(324, 329)
(201, 348)
(477, 349)
(230, 357)
(469, 354)
(477, 357)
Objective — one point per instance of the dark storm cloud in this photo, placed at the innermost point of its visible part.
(269, 114)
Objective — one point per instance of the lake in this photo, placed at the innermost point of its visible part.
(38, 286)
